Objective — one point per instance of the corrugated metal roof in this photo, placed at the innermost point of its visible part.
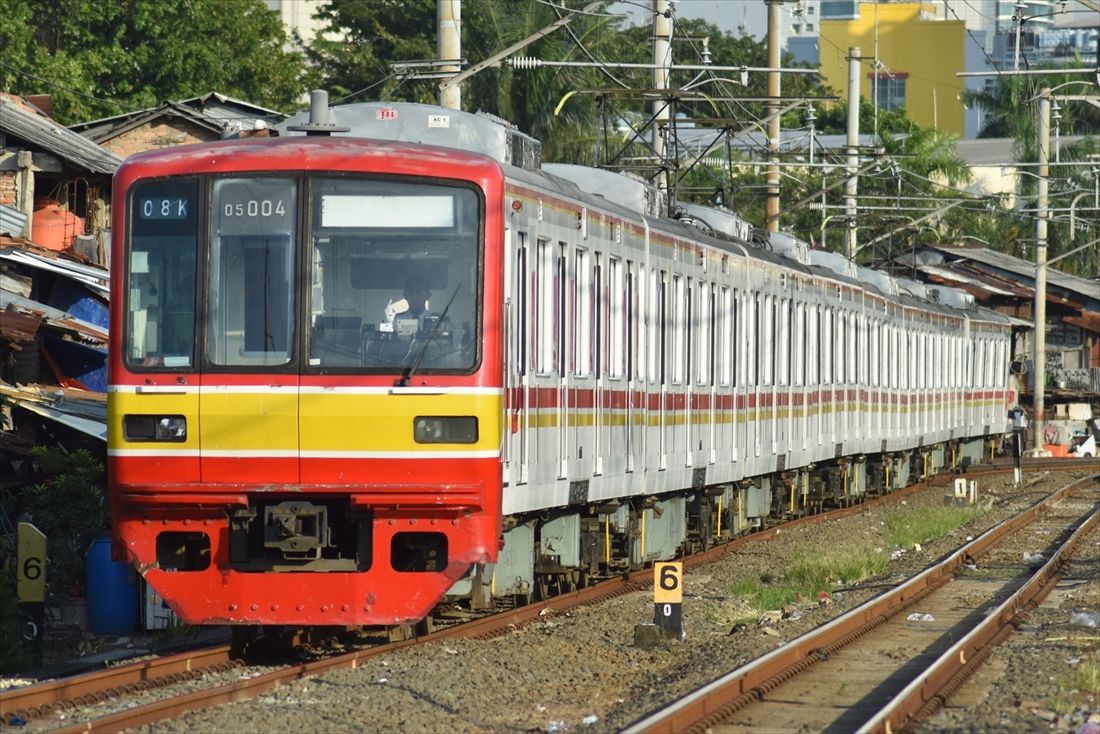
(101, 130)
(12, 221)
(212, 110)
(96, 278)
(1025, 268)
(80, 410)
(17, 120)
(958, 276)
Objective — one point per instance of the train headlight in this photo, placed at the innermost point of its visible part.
(155, 428)
(445, 429)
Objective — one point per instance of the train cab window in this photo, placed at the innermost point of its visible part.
(161, 267)
(395, 275)
(252, 278)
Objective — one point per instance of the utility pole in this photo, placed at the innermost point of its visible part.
(851, 189)
(1039, 359)
(772, 204)
(448, 46)
(662, 63)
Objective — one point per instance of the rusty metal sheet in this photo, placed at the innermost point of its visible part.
(19, 326)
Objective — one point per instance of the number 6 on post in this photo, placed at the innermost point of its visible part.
(668, 595)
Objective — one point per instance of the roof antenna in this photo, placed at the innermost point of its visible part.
(319, 122)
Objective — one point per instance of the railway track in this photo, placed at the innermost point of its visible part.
(42, 699)
(895, 659)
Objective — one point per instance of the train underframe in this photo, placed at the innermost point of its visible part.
(561, 550)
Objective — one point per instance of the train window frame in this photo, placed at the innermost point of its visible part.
(725, 340)
(544, 326)
(583, 320)
(149, 362)
(252, 361)
(704, 343)
(618, 295)
(679, 337)
(521, 300)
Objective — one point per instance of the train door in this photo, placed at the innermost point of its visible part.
(662, 345)
(710, 378)
(687, 324)
(630, 357)
(580, 364)
(560, 366)
(599, 350)
(249, 420)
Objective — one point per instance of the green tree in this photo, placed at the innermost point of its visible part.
(68, 506)
(104, 58)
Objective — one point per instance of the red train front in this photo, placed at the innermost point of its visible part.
(305, 398)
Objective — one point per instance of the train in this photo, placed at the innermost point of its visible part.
(591, 377)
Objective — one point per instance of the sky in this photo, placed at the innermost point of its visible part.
(726, 14)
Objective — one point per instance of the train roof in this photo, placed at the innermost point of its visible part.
(314, 153)
(520, 155)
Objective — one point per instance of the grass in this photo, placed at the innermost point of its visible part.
(1080, 686)
(909, 527)
(809, 575)
(806, 577)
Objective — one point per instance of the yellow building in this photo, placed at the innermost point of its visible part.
(918, 56)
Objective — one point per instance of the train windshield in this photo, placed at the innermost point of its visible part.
(394, 276)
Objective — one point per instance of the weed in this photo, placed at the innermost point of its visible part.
(909, 527)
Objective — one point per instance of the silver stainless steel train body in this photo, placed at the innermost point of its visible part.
(671, 380)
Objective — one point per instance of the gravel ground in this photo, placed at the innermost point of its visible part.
(579, 671)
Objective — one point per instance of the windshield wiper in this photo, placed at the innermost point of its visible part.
(408, 373)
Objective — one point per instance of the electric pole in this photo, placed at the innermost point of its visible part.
(448, 46)
(772, 204)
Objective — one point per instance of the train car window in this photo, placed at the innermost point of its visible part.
(781, 347)
(894, 346)
(737, 349)
(544, 308)
(583, 320)
(252, 272)
(521, 305)
(618, 296)
(652, 323)
(599, 331)
(161, 262)
(799, 346)
(679, 338)
(873, 359)
(751, 327)
(704, 343)
(725, 341)
(396, 275)
(632, 286)
(660, 345)
(840, 350)
(852, 359)
(826, 352)
(989, 363)
(560, 284)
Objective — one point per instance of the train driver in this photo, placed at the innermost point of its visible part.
(413, 307)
